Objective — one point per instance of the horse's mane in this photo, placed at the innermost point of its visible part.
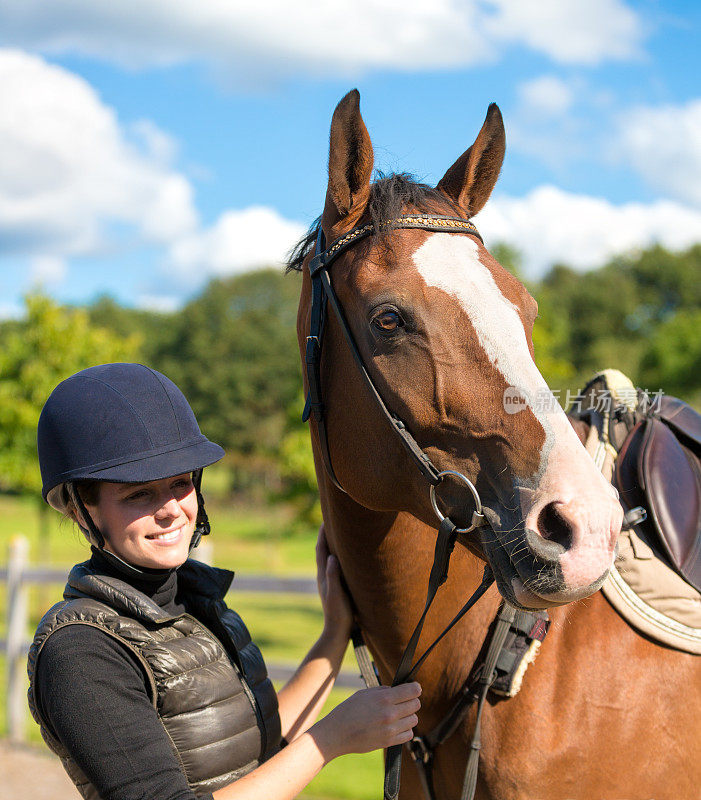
(390, 195)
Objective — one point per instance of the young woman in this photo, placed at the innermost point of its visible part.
(144, 683)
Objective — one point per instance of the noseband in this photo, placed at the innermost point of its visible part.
(323, 291)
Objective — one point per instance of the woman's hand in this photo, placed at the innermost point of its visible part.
(370, 719)
(338, 613)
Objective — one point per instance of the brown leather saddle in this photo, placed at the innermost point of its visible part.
(658, 467)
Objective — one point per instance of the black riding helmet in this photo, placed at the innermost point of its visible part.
(124, 423)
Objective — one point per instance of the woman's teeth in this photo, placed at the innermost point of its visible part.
(166, 537)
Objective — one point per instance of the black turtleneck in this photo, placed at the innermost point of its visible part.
(161, 586)
(94, 695)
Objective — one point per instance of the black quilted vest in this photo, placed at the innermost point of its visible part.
(207, 680)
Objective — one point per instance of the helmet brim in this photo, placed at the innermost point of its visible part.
(144, 468)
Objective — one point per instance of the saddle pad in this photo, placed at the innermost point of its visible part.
(653, 598)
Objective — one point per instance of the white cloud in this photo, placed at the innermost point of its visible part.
(547, 95)
(275, 38)
(663, 144)
(570, 31)
(549, 225)
(47, 270)
(238, 240)
(159, 145)
(68, 171)
(551, 120)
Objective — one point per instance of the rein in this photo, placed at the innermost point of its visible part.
(322, 294)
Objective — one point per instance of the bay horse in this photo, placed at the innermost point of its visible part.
(444, 332)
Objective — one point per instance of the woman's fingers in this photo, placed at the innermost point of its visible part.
(405, 691)
(403, 729)
(409, 707)
(373, 718)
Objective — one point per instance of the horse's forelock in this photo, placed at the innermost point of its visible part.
(390, 197)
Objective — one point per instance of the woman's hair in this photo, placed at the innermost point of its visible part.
(89, 491)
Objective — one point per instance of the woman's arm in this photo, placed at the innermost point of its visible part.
(369, 720)
(302, 698)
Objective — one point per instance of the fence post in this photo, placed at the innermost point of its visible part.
(17, 610)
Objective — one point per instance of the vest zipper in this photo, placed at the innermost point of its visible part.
(253, 700)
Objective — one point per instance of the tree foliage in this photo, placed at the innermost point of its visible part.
(623, 315)
(233, 352)
(38, 352)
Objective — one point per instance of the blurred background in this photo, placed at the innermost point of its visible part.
(158, 161)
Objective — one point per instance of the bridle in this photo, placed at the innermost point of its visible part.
(322, 292)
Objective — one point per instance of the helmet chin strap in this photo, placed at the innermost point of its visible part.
(98, 540)
(202, 527)
(90, 528)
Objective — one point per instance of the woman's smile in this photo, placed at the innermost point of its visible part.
(166, 537)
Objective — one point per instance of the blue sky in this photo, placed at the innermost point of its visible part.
(147, 147)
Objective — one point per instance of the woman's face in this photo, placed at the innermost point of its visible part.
(148, 524)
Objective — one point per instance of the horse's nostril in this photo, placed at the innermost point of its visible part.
(554, 527)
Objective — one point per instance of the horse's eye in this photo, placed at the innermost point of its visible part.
(388, 321)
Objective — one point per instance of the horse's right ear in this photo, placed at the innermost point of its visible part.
(350, 164)
(470, 180)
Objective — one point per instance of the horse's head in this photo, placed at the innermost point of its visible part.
(445, 333)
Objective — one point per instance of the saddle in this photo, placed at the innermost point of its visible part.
(656, 446)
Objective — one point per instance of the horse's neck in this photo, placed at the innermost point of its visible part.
(386, 558)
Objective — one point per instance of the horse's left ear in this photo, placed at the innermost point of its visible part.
(470, 180)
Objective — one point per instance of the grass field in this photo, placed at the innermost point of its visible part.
(284, 626)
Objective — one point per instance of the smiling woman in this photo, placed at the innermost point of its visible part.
(142, 680)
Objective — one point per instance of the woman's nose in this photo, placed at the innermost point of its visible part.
(169, 508)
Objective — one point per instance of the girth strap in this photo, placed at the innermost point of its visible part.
(486, 679)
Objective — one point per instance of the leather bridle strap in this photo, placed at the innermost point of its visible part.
(323, 291)
(447, 534)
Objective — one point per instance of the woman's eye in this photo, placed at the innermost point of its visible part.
(388, 321)
(136, 496)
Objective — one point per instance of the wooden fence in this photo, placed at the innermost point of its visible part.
(19, 574)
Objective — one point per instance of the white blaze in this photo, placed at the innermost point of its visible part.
(567, 475)
(451, 263)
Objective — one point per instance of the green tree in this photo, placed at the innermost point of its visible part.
(233, 351)
(673, 358)
(296, 463)
(49, 344)
(612, 316)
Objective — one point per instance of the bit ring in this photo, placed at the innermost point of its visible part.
(477, 515)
